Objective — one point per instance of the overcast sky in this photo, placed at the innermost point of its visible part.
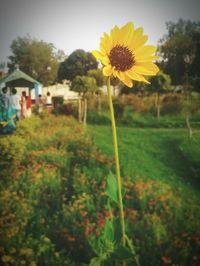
(75, 24)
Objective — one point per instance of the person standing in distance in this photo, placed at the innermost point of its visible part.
(15, 102)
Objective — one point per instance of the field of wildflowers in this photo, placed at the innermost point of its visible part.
(54, 208)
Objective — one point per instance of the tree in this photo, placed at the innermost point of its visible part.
(97, 74)
(2, 69)
(61, 56)
(159, 84)
(36, 58)
(182, 39)
(83, 85)
(77, 64)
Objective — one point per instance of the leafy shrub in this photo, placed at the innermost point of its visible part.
(14, 212)
(154, 214)
(57, 100)
(149, 106)
(27, 127)
(118, 108)
(154, 197)
(172, 104)
(12, 152)
(136, 103)
(65, 109)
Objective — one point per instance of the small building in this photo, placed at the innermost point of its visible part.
(60, 89)
(22, 82)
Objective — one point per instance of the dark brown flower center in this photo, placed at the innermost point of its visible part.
(121, 58)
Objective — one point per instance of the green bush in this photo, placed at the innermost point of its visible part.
(171, 104)
(27, 127)
(57, 100)
(12, 151)
(65, 109)
(118, 108)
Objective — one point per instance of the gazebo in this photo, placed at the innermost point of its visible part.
(18, 78)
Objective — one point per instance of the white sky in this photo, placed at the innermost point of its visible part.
(75, 24)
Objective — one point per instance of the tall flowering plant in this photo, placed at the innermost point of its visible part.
(125, 56)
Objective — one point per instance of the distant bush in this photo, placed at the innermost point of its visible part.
(118, 108)
(136, 119)
(57, 100)
(12, 152)
(194, 107)
(172, 104)
(135, 102)
(65, 109)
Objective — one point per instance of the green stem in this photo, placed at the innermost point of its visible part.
(119, 183)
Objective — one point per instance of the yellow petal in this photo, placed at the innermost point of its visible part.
(105, 60)
(106, 43)
(114, 72)
(120, 75)
(135, 76)
(124, 78)
(107, 70)
(138, 43)
(148, 68)
(107, 38)
(115, 35)
(143, 59)
(128, 82)
(145, 81)
(129, 26)
(131, 74)
(97, 54)
(138, 33)
(102, 47)
(126, 33)
(146, 50)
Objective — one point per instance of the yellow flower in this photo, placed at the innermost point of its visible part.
(125, 56)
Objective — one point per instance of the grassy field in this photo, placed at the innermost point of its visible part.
(162, 154)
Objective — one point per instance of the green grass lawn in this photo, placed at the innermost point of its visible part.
(159, 154)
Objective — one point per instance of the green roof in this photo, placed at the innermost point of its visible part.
(18, 75)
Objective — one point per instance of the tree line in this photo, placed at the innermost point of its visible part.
(178, 51)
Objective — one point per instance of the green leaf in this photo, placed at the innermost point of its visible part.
(122, 253)
(109, 230)
(112, 188)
